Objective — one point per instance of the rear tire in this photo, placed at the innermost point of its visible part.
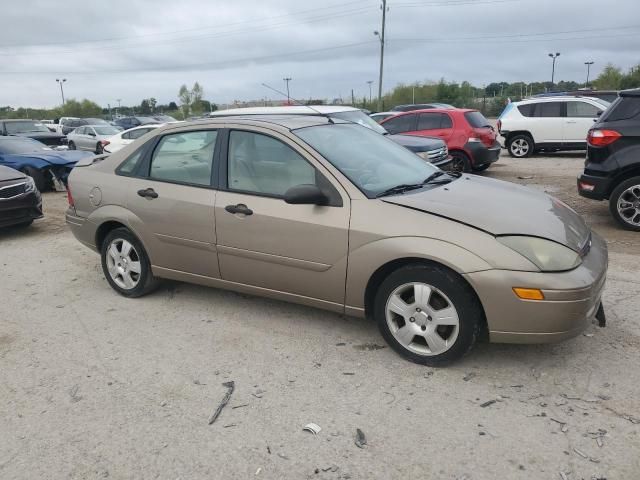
(481, 168)
(428, 314)
(520, 146)
(38, 177)
(126, 265)
(461, 162)
(624, 204)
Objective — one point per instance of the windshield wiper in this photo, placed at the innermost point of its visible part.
(399, 189)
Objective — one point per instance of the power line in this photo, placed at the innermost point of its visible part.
(195, 65)
(500, 39)
(194, 37)
(144, 35)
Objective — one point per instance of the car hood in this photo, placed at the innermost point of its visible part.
(52, 157)
(7, 174)
(500, 208)
(417, 144)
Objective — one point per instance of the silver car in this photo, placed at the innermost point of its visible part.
(91, 137)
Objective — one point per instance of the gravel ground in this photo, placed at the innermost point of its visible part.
(94, 385)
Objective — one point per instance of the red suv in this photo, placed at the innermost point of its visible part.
(469, 136)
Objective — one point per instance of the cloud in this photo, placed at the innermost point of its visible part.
(131, 50)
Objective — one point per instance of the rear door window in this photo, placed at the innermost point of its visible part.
(401, 124)
(582, 110)
(429, 121)
(548, 109)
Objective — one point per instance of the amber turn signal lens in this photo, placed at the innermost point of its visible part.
(529, 293)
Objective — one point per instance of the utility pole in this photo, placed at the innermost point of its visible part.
(553, 67)
(61, 90)
(353, 99)
(287, 80)
(380, 35)
(588, 64)
(413, 94)
(370, 82)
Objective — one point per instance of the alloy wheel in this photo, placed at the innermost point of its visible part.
(422, 319)
(123, 264)
(629, 205)
(520, 147)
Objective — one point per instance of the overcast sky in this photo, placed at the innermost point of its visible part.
(133, 49)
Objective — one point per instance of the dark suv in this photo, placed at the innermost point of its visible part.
(131, 122)
(612, 168)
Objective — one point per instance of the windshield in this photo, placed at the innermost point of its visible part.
(372, 162)
(361, 118)
(14, 145)
(25, 127)
(165, 118)
(94, 121)
(107, 130)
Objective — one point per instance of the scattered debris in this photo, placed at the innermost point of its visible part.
(258, 470)
(348, 373)
(341, 344)
(581, 453)
(392, 400)
(588, 335)
(332, 468)
(259, 393)
(313, 428)
(230, 388)
(599, 442)
(230, 425)
(487, 403)
(369, 346)
(526, 177)
(360, 440)
(268, 449)
(563, 476)
(240, 406)
(589, 400)
(73, 393)
(283, 456)
(517, 386)
(468, 376)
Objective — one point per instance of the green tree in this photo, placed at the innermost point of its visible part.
(609, 79)
(184, 95)
(631, 79)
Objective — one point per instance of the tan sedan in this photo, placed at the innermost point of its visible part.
(330, 214)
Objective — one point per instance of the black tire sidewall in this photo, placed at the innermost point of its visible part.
(38, 178)
(451, 284)
(72, 146)
(465, 160)
(99, 149)
(613, 202)
(528, 139)
(147, 280)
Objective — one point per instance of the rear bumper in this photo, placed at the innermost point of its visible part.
(594, 187)
(481, 154)
(82, 229)
(22, 209)
(571, 300)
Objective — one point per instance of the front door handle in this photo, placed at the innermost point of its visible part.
(239, 208)
(148, 193)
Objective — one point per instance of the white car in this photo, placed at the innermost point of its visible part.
(62, 121)
(548, 123)
(122, 139)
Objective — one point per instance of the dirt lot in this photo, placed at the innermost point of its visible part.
(93, 385)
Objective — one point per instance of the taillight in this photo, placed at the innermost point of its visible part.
(70, 197)
(486, 135)
(601, 138)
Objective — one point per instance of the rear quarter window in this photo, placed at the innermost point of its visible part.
(526, 110)
(624, 108)
(476, 119)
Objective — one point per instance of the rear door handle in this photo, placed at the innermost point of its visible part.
(240, 208)
(148, 193)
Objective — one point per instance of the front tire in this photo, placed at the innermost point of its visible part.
(99, 149)
(38, 176)
(520, 146)
(624, 204)
(72, 146)
(428, 314)
(126, 265)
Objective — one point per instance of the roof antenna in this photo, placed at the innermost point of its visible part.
(329, 119)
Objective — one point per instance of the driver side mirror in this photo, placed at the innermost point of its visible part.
(91, 134)
(305, 195)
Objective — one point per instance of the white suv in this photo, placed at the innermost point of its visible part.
(548, 123)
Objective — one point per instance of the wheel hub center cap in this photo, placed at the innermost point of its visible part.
(422, 318)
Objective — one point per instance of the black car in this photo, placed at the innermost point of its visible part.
(419, 106)
(20, 200)
(81, 122)
(612, 168)
(32, 129)
(130, 122)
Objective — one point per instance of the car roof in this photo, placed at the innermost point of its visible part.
(559, 98)
(284, 110)
(634, 92)
(438, 110)
(290, 122)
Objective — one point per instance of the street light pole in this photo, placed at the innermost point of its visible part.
(588, 64)
(287, 80)
(370, 82)
(61, 90)
(553, 68)
(380, 35)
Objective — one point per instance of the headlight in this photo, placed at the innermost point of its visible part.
(423, 155)
(548, 256)
(29, 185)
